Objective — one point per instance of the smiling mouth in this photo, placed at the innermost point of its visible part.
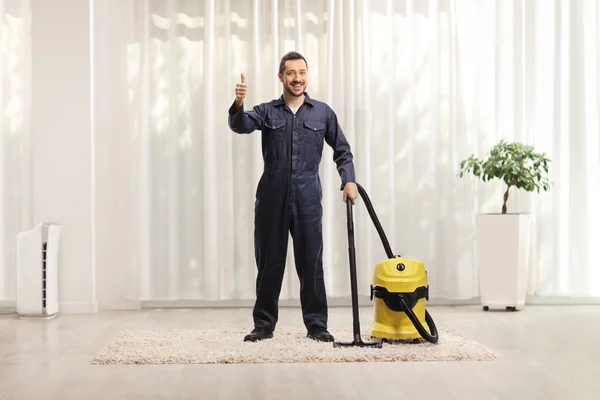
(297, 85)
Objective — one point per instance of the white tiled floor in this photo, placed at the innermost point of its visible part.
(546, 352)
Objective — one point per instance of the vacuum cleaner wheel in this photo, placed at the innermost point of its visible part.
(508, 308)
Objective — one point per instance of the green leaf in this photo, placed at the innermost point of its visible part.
(513, 163)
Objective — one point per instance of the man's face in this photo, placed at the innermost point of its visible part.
(295, 77)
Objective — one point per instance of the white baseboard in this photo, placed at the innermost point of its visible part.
(8, 307)
(78, 307)
(64, 308)
(363, 301)
(562, 301)
(241, 303)
(119, 305)
(7, 304)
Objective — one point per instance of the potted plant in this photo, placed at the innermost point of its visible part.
(503, 238)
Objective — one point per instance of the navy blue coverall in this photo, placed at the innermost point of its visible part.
(288, 199)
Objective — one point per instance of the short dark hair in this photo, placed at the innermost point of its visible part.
(292, 55)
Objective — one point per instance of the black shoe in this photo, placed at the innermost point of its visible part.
(320, 334)
(258, 334)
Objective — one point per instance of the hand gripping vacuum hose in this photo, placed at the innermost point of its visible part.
(431, 336)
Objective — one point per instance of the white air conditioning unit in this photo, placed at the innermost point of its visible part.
(37, 271)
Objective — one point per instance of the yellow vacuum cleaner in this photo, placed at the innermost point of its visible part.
(399, 287)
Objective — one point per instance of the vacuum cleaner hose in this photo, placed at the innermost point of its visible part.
(386, 245)
(430, 337)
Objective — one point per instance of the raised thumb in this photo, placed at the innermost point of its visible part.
(243, 78)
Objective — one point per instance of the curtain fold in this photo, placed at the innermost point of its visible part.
(15, 146)
(417, 86)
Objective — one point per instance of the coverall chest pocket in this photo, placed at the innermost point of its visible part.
(274, 135)
(314, 132)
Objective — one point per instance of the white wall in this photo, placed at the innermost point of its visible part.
(75, 138)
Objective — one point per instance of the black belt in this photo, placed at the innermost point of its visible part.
(392, 300)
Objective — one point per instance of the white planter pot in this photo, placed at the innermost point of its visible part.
(503, 259)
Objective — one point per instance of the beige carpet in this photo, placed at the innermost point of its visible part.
(188, 346)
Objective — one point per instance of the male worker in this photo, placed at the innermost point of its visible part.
(288, 197)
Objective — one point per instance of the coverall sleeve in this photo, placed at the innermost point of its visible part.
(342, 153)
(241, 121)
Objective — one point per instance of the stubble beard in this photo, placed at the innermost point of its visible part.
(291, 92)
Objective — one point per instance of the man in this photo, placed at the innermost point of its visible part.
(288, 197)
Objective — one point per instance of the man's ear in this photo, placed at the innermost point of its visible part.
(280, 75)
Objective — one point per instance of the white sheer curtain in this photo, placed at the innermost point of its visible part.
(15, 171)
(417, 86)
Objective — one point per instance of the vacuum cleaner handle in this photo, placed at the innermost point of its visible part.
(357, 341)
(353, 279)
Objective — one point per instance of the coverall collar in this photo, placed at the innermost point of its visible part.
(281, 102)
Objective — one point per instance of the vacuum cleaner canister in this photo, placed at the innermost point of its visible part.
(399, 291)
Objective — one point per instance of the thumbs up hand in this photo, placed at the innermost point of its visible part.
(240, 92)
